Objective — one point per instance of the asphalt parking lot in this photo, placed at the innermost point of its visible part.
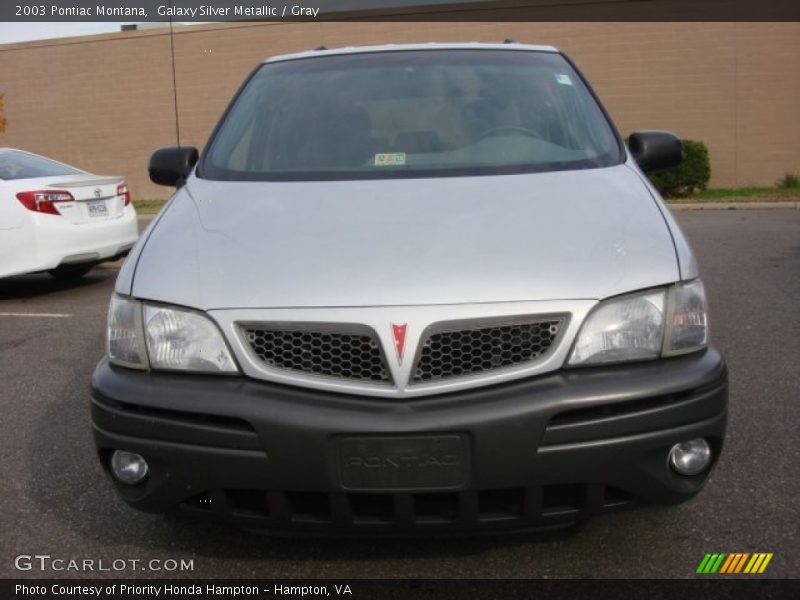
(55, 499)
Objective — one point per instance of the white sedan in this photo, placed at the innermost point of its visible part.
(59, 219)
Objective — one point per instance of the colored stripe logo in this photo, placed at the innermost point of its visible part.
(734, 563)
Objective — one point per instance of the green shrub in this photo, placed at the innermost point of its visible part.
(790, 181)
(690, 176)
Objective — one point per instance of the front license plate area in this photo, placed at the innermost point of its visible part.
(403, 462)
(97, 208)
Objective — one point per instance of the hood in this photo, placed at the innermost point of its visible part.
(566, 235)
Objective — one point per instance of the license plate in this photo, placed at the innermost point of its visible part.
(403, 462)
(98, 208)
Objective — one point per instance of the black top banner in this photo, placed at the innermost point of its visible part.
(398, 10)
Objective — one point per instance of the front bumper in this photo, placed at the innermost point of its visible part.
(542, 452)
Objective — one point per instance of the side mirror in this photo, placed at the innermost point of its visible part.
(655, 150)
(171, 165)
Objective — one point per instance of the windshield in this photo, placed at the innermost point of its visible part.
(411, 114)
(21, 165)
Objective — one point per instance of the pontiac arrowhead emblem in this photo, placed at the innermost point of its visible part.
(399, 332)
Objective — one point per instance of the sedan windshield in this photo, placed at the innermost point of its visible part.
(411, 114)
(22, 165)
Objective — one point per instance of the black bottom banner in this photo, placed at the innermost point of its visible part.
(411, 589)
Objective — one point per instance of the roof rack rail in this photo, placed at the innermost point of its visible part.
(318, 48)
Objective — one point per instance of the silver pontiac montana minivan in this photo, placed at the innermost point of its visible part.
(405, 290)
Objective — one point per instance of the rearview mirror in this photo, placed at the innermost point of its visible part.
(655, 150)
(171, 165)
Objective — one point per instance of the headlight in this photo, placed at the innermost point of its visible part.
(184, 340)
(644, 326)
(125, 343)
(145, 336)
(626, 328)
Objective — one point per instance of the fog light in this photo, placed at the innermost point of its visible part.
(690, 458)
(128, 467)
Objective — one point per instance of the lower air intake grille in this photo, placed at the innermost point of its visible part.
(354, 354)
(464, 349)
(512, 509)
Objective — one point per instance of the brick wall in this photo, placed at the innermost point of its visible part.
(105, 102)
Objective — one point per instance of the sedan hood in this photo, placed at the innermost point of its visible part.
(566, 235)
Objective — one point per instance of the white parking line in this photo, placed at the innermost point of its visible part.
(36, 315)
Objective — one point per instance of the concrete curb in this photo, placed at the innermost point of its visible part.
(678, 206)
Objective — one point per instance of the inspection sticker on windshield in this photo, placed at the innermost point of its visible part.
(390, 160)
(563, 79)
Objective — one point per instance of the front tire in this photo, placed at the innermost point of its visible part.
(71, 272)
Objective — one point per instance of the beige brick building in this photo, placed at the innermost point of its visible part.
(105, 102)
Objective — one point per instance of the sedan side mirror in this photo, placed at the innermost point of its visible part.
(171, 165)
(655, 150)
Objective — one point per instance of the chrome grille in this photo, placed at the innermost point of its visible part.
(465, 349)
(353, 354)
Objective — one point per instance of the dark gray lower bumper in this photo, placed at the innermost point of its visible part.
(540, 452)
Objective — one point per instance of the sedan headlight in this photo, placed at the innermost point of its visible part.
(644, 326)
(143, 335)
